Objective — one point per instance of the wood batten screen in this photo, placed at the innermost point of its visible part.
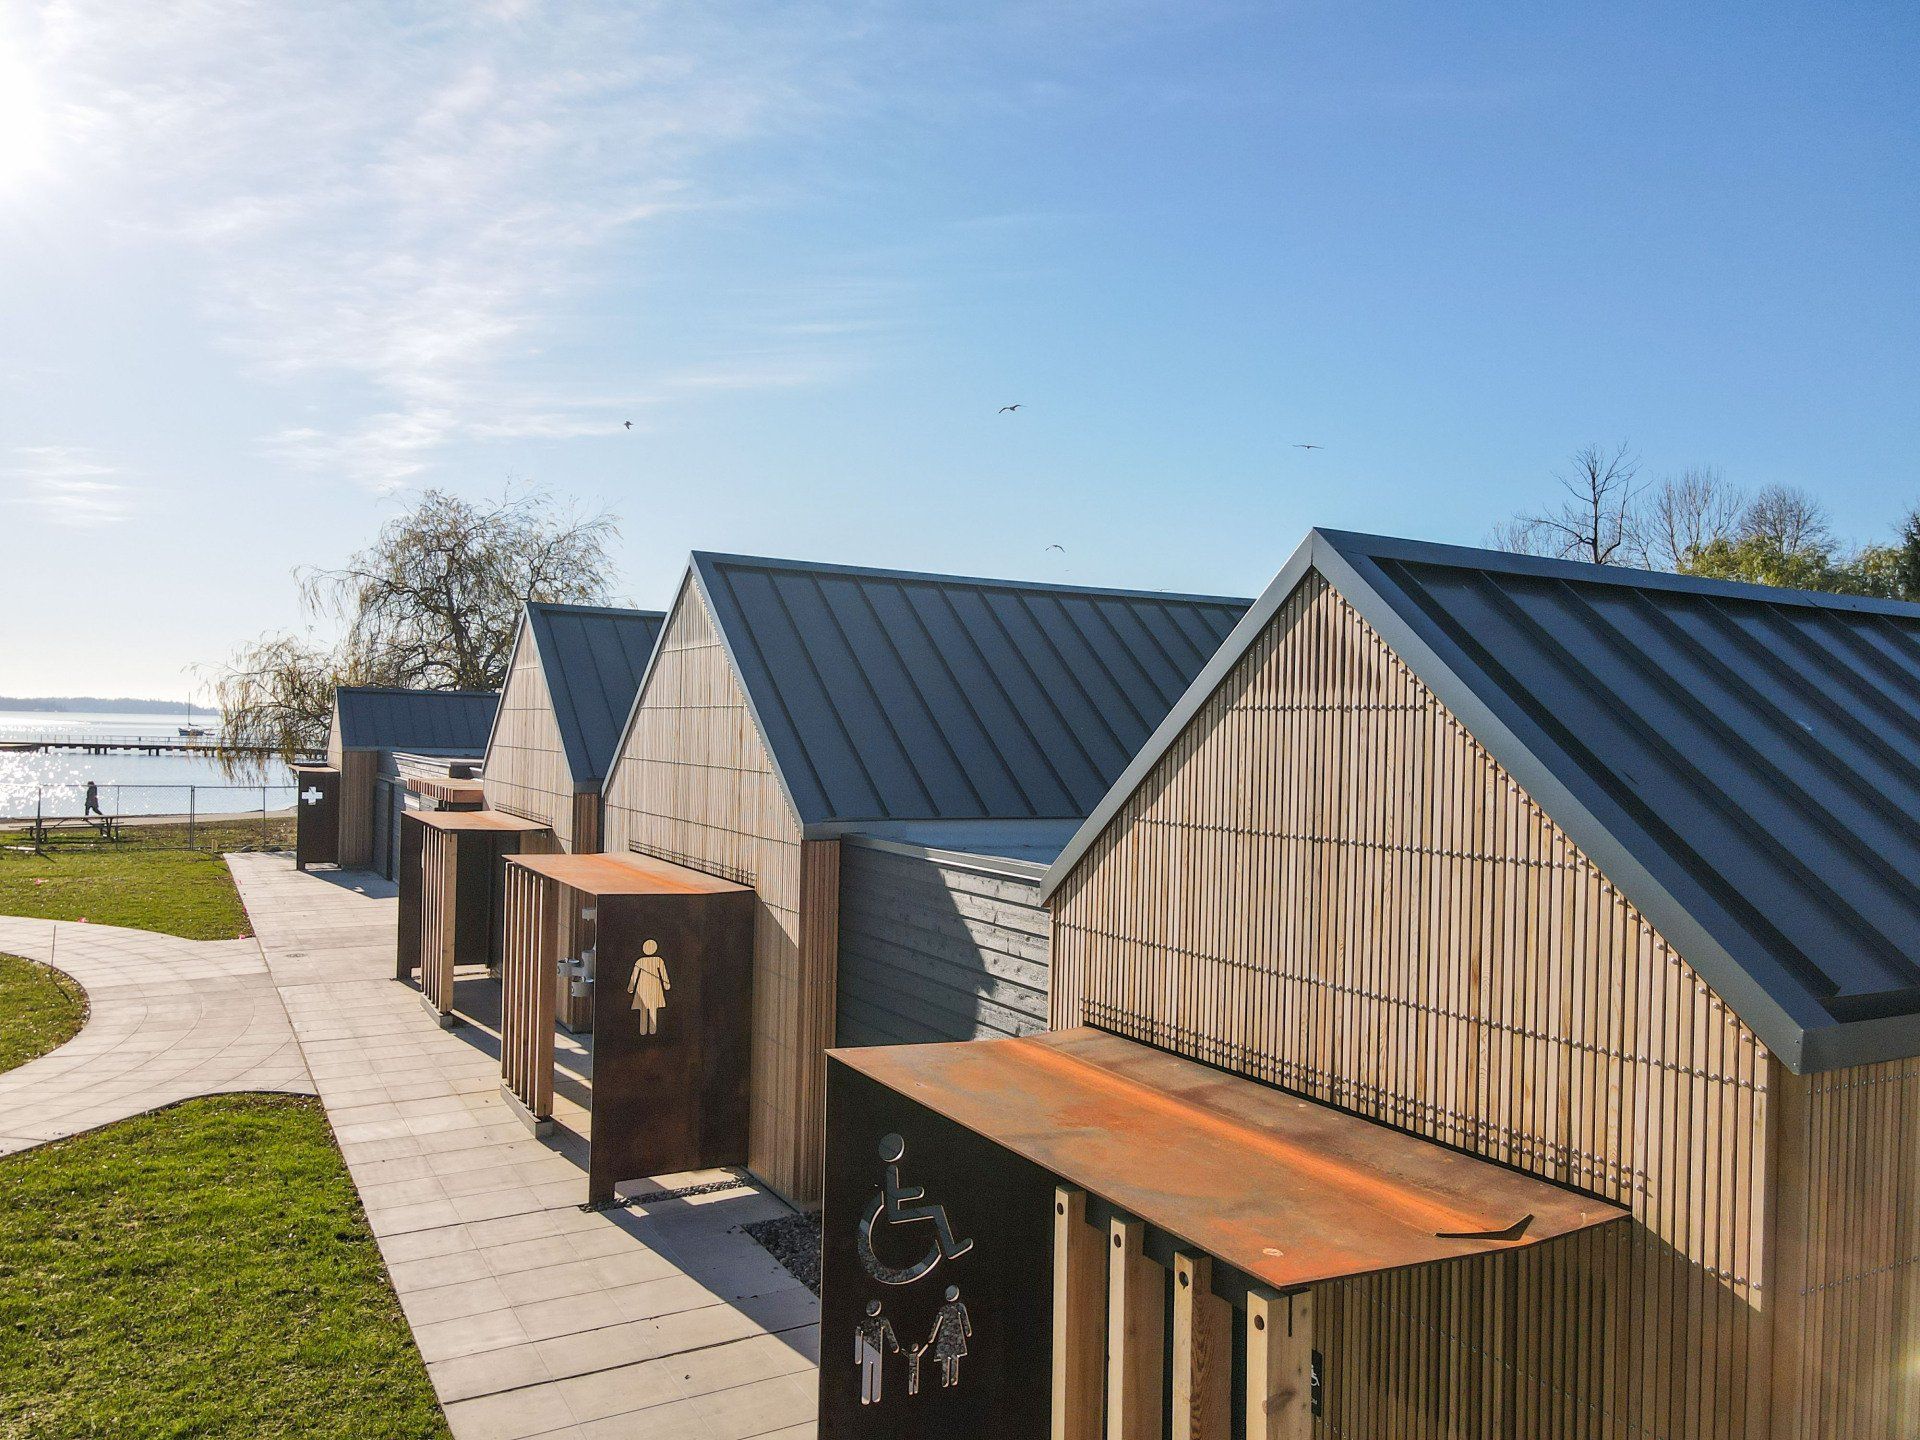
(1237, 1196)
(530, 960)
(666, 954)
(451, 895)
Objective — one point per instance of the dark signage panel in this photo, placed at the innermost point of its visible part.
(316, 831)
(672, 1011)
(936, 1306)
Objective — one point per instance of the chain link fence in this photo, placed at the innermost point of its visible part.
(159, 817)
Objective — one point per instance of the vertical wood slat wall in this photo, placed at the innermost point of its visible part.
(694, 784)
(526, 766)
(358, 770)
(1328, 885)
(529, 954)
(438, 887)
(1849, 1254)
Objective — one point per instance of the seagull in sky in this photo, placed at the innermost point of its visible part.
(629, 424)
(1299, 446)
(1008, 409)
(1061, 548)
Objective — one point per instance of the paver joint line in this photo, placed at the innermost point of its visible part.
(419, 1118)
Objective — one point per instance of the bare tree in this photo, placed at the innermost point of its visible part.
(435, 600)
(1787, 520)
(1682, 515)
(1595, 523)
(274, 695)
(433, 603)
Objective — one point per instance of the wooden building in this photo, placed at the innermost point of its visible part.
(570, 685)
(571, 680)
(379, 738)
(1598, 877)
(792, 706)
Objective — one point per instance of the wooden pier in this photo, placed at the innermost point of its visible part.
(133, 745)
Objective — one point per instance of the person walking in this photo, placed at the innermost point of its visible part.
(93, 802)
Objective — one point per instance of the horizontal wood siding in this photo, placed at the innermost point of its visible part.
(936, 949)
(1329, 885)
(694, 784)
(526, 772)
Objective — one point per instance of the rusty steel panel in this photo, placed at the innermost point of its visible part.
(672, 1022)
(936, 1296)
(316, 834)
(1286, 1190)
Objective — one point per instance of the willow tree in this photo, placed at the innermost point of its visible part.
(431, 604)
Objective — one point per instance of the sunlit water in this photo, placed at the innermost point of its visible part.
(55, 781)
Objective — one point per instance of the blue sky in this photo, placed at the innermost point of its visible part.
(265, 269)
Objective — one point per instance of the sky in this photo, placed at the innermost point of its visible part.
(267, 270)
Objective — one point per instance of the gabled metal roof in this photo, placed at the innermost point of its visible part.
(891, 695)
(592, 657)
(1742, 762)
(447, 722)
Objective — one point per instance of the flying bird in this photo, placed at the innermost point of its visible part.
(629, 424)
(1008, 409)
(1299, 446)
(1061, 548)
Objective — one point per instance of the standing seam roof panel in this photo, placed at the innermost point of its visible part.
(592, 659)
(376, 718)
(887, 695)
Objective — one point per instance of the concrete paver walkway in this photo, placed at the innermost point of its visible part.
(169, 1019)
(535, 1318)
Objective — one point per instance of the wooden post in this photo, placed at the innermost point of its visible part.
(1202, 1352)
(1279, 1365)
(1079, 1341)
(1136, 1334)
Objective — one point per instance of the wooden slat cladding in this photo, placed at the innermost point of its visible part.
(526, 768)
(1328, 885)
(358, 770)
(529, 955)
(694, 784)
(1849, 1253)
(439, 853)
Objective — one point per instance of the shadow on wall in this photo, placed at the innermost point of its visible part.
(936, 950)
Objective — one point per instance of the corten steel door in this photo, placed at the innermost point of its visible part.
(672, 1019)
(317, 830)
(936, 1300)
(406, 957)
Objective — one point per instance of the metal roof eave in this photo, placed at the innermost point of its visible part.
(1591, 818)
(513, 654)
(695, 582)
(1791, 1021)
(1239, 640)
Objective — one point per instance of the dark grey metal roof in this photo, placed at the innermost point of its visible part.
(592, 657)
(1031, 844)
(452, 722)
(888, 695)
(1742, 762)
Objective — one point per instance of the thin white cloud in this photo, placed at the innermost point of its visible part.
(412, 204)
(65, 487)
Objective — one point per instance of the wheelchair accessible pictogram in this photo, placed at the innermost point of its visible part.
(904, 1205)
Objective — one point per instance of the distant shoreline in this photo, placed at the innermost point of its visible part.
(69, 704)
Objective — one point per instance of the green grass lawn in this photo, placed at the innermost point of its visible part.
(39, 1009)
(142, 881)
(206, 1272)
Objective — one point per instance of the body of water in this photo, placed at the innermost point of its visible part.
(55, 781)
